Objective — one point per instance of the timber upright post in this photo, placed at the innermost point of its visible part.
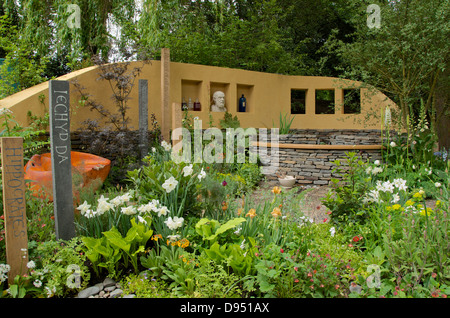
(165, 94)
(143, 118)
(61, 159)
(14, 206)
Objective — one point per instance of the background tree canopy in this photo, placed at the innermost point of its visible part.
(406, 58)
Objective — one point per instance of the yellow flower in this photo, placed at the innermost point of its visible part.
(276, 190)
(276, 212)
(409, 203)
(184, 243)
(417, 195)
(156, 237)
(429, 211)
(251, 213)
(396, 207)
(438, 203)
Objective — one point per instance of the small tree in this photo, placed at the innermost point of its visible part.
(406, 56)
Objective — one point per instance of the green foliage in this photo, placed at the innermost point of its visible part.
(149, 179)
(144, 286)
(285, 123)
(238, 258)
(345, 200)
(107, 251)
(229, 121)
(212, 231)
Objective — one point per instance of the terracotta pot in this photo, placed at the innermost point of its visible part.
(87, 171)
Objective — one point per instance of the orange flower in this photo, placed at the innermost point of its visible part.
(276, 212)
(276, 190)
(251, 213)
(239, 212)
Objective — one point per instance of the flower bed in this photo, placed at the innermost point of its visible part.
(193, 230)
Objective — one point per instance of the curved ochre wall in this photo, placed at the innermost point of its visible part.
(267, 95)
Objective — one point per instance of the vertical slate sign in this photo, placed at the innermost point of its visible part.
(143, 118)
(14, 205)
(61, 162)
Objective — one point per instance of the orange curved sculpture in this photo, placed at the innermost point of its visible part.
(87, 171)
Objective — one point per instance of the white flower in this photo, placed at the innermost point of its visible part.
(83, 207)
(188, 170)
(103, 206)
(4, 268)
(174, 223)
(153, 149)
(166, 146)
(173, 238)
(37, 283)
(368, 169)
(170, 184)
(89, 214)
(141, 219)
(201, 175)
(395, 198)
(163, 210)
(377, 170)
(146, 208)
(126, 197)
(437, 185)
(129, 210)
(117, 201)
(377, 162)
(332, 231)
(393, 144)
(31, 264)
(400, 184)
(242, 246)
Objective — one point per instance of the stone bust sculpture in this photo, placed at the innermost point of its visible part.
(218, 102)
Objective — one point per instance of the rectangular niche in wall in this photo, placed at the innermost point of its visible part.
(215, 88)
(190, 93)
(298, 101)
(325, 101)
(352, 101)
(245, 91)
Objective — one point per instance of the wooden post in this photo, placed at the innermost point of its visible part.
(61, 159)
(14, 206)
(176, 119)
(143, 118)
(165, 94)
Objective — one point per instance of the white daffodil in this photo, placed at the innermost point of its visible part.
(173, 238)
(83, 208)
(174, 223)
(187, 171)
(163, 210)
(201, 175)
(166, 145)
(129, 210)
(170, 184)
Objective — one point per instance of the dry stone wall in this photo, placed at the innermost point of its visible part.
(314, 166)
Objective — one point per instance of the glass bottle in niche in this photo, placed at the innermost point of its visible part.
(197, 105)
(242, 104)
(190, 104)
(184, 105)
